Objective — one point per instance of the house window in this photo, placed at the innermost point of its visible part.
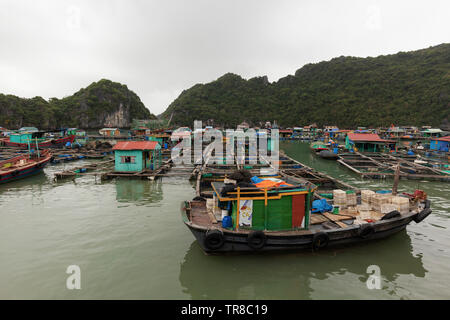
(127, 159)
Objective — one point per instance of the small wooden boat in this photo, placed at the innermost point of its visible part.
(23, 166)
(26, 140)
(328, 155)
(318, 146)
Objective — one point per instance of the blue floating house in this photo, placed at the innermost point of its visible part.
(136, 156)
(440, 144)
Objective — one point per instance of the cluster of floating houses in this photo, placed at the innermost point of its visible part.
(252, 205)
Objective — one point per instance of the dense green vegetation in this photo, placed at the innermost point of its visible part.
(103, 103)
(407, 88)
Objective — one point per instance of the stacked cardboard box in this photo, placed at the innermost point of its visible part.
(339, 198)
(351, 199)
(379, 199)
(366, 195)
(387, 207)
(401, 204)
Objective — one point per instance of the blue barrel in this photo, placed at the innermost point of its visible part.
(227, 222)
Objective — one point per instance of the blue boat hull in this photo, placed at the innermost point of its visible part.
(21, 175)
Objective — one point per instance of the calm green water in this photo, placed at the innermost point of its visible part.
(129, 241)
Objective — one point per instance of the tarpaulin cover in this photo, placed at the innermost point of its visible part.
(319, 206)
(269, 182)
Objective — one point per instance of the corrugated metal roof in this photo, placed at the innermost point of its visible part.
(135, 145)
(365, 137)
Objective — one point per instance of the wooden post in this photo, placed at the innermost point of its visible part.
(238, 207)
(396, 180)
(37, 148)
(265, 208)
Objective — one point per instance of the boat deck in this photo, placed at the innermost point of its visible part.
(200, 216)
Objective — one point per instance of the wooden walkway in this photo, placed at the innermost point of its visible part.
(382, 166)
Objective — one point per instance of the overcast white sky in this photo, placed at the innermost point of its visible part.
(52, 48)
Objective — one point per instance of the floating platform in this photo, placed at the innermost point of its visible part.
(381, 166)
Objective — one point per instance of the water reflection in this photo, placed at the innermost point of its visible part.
(36, 182)
(138, 191)
(291, 276)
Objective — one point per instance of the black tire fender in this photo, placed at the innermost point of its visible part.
(320, 240)
(422, 215)
(366, 230)
(214, 239)
(391, 215)
(256, 239)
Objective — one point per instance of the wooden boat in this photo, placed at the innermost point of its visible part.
(23, 166)
(42, 143)
(318, 146)
(280, 218)
(328, 155)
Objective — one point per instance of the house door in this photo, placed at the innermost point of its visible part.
(144, 159)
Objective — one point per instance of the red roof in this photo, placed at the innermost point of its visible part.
(373, 137)
(446, 138)
(135, 145)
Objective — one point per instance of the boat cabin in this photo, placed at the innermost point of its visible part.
(272, 205)
(136, 156)
(368, 142)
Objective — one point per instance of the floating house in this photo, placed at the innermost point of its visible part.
(136, 156)
(340, 134)
(140, 131)
(26, 137)
(331, 131)
(162, 138)
(285, 133)
(297, 132)
(109, 132)
(440, 144)
(368, 142)
(396, 132)
(432, 133)
(28, 129)
(244, 126)
(181, 133)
